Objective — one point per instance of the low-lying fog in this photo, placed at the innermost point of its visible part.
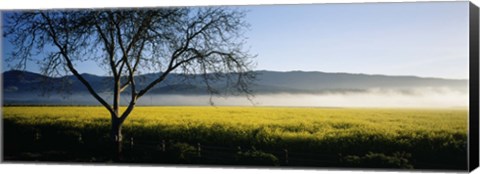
(420, 97)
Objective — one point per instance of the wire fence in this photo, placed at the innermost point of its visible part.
(204, 153)
(224, 154)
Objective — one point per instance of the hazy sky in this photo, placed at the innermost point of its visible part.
(422, 39)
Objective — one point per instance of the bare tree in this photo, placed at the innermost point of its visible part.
(126, 43)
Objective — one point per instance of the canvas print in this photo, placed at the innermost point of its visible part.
(370, 85)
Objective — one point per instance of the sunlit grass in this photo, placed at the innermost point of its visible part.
(265, 123)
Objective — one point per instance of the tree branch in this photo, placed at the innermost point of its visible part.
(70, 64)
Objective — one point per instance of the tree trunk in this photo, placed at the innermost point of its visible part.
(116, 136)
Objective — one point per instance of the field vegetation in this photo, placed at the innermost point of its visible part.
(325, 137)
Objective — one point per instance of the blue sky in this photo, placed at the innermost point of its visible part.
(421, 39)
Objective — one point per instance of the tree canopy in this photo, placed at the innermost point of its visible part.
(128, 42)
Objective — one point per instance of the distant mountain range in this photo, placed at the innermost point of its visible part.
(24, 82)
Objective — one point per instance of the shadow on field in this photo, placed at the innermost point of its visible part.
(63, 143)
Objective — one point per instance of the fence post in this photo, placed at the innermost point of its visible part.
(36, 135)
(286, 156)
(199, 150)
(131, 143)
(163, 145)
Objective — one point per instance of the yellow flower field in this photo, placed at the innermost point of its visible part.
(422, 133)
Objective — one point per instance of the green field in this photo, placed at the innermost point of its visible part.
(352, 137)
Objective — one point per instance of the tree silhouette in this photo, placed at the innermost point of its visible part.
(206, 41)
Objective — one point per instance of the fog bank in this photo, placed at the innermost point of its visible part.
(372, 98)
(419, 97)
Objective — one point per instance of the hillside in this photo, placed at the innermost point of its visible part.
(22, 87)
